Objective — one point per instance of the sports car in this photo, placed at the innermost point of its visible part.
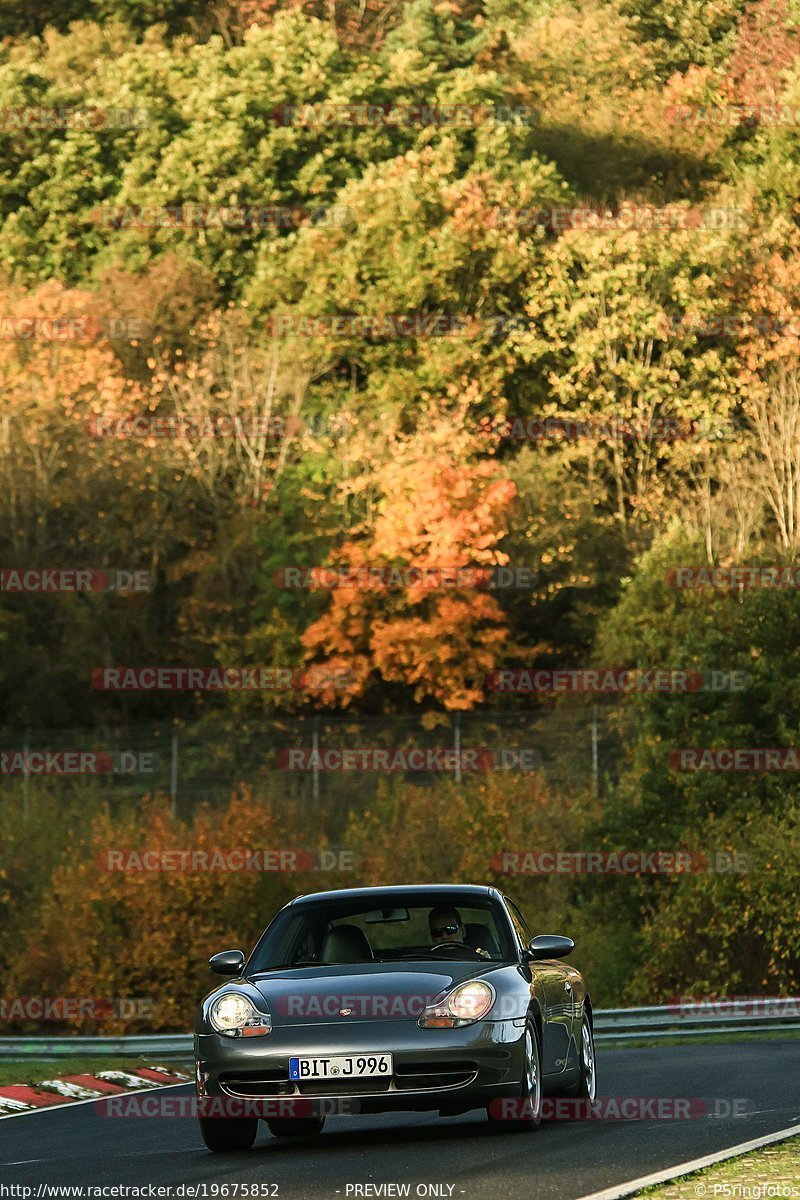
(391, 998)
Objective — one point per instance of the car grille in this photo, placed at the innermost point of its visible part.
(263, 1083)
(415, 1076)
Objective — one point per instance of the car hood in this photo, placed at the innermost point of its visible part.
(361, 992)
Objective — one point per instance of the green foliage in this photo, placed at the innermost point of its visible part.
(742, 927)
(697, 32)
(25, 17)
(754, 632)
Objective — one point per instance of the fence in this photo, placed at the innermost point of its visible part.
(574, 747)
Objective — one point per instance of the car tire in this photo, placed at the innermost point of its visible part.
(228, 1133)
(530, 1098)
(295, 1126)
(586, 1085)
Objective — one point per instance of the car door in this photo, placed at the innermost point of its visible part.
(560, 1012)
(555, 981)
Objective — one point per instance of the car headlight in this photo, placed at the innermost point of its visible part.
(234, 1015)
(466, 1003)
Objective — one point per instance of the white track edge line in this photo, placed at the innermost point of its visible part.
(687, 1168)
(30, 1112)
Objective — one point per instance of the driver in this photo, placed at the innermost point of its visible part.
(445, 925)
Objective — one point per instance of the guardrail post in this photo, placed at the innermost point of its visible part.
(26, 785)
(315, 760)
(457, 742)
(173, 775)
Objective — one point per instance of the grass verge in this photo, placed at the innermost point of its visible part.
(33, 1071)
(772, 1173)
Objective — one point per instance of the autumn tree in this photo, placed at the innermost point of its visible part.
(767, 45)
(769, 355)
(619, 320)
(431, 509)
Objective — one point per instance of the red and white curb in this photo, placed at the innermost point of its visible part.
(17, 1098)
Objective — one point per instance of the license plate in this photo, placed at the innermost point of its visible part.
(340, 1066)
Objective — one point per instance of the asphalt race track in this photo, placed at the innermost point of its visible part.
(563, 1160)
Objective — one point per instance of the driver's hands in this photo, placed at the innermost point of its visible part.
(483, 953)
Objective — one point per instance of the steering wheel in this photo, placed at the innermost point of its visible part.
(453, 946)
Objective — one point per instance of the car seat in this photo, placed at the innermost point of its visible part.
(345, 944)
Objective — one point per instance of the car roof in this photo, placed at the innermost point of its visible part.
(422, 889)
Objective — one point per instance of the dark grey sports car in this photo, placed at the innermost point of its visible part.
(374, 999)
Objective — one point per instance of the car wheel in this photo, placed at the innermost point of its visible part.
(228, 1133)
(529, 1104)
(586, 1086)
(295, 1126)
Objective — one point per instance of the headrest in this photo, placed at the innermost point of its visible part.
(345, 944)
(479, 936)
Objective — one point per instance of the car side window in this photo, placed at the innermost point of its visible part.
(523, 932)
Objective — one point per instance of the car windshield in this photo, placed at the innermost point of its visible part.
(385, 929)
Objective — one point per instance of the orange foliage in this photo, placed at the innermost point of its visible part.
(111, 934)
(767, 45)
(57, 372)
(769, 292)
(359, 23)
(435, 510)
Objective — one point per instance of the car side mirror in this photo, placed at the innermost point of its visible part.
(227, 962)
(549, 945)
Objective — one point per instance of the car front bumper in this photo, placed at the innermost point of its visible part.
(434, 1069)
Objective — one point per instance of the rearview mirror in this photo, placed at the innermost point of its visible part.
(550, 945)
(382, 916)
(227, 962)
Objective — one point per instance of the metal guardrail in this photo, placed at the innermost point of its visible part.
(773, 1015)
(156, 1046)
(694, 1019)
